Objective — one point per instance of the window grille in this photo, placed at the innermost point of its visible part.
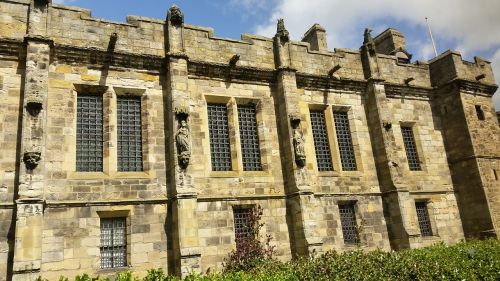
(129, 134)
(320, 136)
(242, 227)
(411, 148)
(113, 242)
(220, 147)
(344, 139)
(89, 133)
(423, 218)
(249, 138)
(348, 222)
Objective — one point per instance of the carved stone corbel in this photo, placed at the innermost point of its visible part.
(31, 159)
(298, 140)
(34, 104)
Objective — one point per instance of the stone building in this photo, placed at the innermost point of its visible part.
(143, 144)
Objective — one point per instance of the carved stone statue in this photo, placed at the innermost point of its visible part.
(176, 16)
(298, 145)
(31, 159)
(182, 139)
(281, 31)
(368, 41)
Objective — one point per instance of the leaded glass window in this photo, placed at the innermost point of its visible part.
(344, 139)
(129, 134)
(411, 148)
(249, 138)
(348, 222)
(242, 227)
(89, 133)
(423, 218)
(321, 145)
(113, 242)
(220, 147)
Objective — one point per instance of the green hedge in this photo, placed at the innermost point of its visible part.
(476, 260)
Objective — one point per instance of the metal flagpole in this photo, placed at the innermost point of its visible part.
(432, 38)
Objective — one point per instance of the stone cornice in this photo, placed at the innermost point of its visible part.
(401, 91)
(10, 48)
(321, 82)
(475, 87)
(99, 58)
(226, 72)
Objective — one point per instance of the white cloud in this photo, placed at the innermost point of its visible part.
(473, 26)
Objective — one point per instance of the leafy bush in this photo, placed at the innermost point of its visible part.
(475, 260)
(250, 251)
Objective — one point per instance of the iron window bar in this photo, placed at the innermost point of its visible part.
(411, 148)
(423, 218)
(113, 247)
(321, 145)
(220, 148)
(129, 134)
(249, 138)
(348, 222)
(89, 133)
(344, 139)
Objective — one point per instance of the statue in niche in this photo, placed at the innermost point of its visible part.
(298, 145)
(182, 138)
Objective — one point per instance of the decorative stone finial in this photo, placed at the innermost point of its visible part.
(175, 15)
(31, 159)
(281, 32)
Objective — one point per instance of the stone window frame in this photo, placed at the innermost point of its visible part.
(238, 207)
(110, 133)
(234, 137)
(333, 141)
(110, 214)
(431, 212)
(418, 144)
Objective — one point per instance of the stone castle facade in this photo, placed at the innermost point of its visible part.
(141, 145)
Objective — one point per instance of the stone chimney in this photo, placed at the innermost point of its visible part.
(392, 42)
(316, 37)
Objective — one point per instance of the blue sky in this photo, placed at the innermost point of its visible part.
(470, 27)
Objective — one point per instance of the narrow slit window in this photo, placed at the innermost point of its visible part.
(348, 222)
(220, 147)
(479, 112)
(495, 174)
(321, 145)
(89, 134)
(423, 218)
(242, 227)
(113, 243)
(346, 149)
(249, 138)
(129, 134)
(411, 148)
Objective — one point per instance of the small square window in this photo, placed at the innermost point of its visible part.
(242, 227)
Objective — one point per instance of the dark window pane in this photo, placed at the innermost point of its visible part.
(113, 242)
(344, 139)
(220, 148)
(320, 137)
(242, 227)
(423, 218)
(89, 136)
(411, 148)
(249, 138)
(129, 134)
(348, 221)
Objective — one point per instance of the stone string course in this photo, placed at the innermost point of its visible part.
(181, 218)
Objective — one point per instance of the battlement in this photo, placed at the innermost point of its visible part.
(450, 66)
